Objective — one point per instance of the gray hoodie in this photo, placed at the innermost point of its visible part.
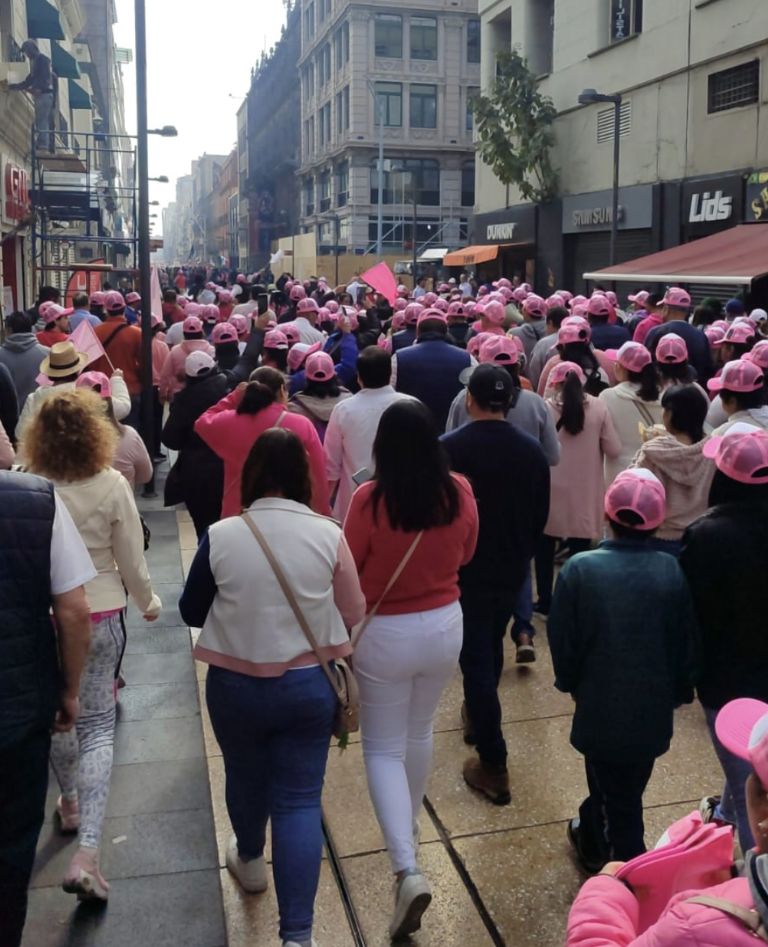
(22, 354)
(687, 476)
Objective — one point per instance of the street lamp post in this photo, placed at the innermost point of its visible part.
(590, 97)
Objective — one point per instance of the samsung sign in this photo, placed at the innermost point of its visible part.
(584, 213)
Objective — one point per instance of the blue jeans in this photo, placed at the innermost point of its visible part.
(523, 610)
(733, 804)
(274, 734)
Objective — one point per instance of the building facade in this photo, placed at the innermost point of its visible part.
(693, 76)
(373, 72)
(205, 172)
(225, 187)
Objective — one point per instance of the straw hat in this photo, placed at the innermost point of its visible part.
(63, 360)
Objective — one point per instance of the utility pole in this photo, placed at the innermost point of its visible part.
(378, 102)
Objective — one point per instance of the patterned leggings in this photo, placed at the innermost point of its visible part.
(82, 758)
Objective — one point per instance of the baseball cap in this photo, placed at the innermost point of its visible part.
(519, 294)
(600, 305)
(640, 297)
(113, 301)
(198, 363)
(223, 332)
(434, 314)
(52, 312)
(96, 381)
(275, 339)
(319, 367)
(456, 309)
(192, 325)
(503, 282)
(493, 311)
(491, 385)
(225, 296)
(741, 453)
(632, 355)
(300, 353)
(640, 493)
(556, 299)
(240, 323)
(758, 316)
(441, 305)
(155, 320)
(573, 329)
(742, 727)
(501, 350)
(291, 332)
(210, 313)
(676, 298)
(474, 344)
(714, 334)
(734, 307)
(672, 349)
(740, 376)
(297, 292)
(97, 298)
(307, 305)
(412, 312)
(758, 354)
(535, 306)
(562, 370)
(132, 298)
(737, 333)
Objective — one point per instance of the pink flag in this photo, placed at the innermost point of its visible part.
(383, 281)
(87, 342)
(156, 294)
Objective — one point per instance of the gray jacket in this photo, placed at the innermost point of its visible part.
(22, 354)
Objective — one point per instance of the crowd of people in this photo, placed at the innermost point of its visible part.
(384, 482)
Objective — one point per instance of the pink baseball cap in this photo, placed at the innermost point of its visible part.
(742, 728)
(183, 301)
(300, 353)
(564, 294)
(456, 309)
(210, 313)
(297, 292)
(434, 314)
(613, 299)
(97, 298)
(319, 367)
(714, 334)
(578, 301)
(192, 308)
(225, 296)
(113, 301)
(291, 333)
(580, 309)
(738, 333)
(573, 329)
(403, 290)
(556, 299)
(501, 350)
(384, 343)
(475, 343)
(600, 305)
(96, 381)
(519, 294)
(240, 278)
(562, 370)
(192, 325)
(671, 349)
(428, 298)
(741, 453)
(502, 283)
(640, 297)
(535, 306)
(223, 332)
(493, 311)
(400, 303)
(240, 323)
(307, 305)
(506, 293)
(758, 354)
(632, 355)
(398, 321)
(723, 324)
(412, 312)
(198, 363)
(639, 492)
(441, 305)
(677, 298)
(52, 312)
(444, 288)
(332, 305)
(740, 376)
(132, 298)
(275, 339)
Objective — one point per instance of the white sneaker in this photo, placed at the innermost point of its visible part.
(411, 901)
(251, 875)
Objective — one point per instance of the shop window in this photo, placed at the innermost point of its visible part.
(733, 88)
(423, 37)
(389, 104)
(473, 41)
(389, 36)
(423, 106)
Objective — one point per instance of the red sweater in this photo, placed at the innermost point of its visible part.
(430, 579)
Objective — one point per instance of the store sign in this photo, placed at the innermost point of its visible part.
(510, 225)
(757, 196)
(707, 208)
(621, 12)
(499, 232)
(16, 196)
(585, 213)
(595, 217)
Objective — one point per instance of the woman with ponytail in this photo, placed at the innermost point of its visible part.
(587, 437)
(231, 427)
(574, 344)
(633, 403)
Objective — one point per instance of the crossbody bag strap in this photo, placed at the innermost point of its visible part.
(290, 596)
(645, 414)
(357, 634)
(279, 422)
(106, 343)
(750, 919)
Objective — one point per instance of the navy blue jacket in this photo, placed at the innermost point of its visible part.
(622, 634)
(699, 354)
(403, 339)
(29, 670)
(605, 336)
(429, 371)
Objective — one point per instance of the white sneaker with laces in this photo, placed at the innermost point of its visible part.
(251, 875)
(412, 898)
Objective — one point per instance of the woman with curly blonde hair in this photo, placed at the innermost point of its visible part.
(71, 442)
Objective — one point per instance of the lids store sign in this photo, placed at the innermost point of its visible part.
(709, 207)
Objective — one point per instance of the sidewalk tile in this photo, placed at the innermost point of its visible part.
(158, 668)
(144, 741)
(158, 787)
(157, 639)
(158, 701)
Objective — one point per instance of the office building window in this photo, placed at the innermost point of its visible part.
(324, 118)
(473, 41)
(342, 110)
(389, 36)
(309, 137)
(423, 106)
(342, 183)
(309, 21)
(309, 80)
(469, 123)
(401, 175)
(626, 19)
(468, 184)
(423, 37)
(309, 196)
(325, 64)
(389, 104)
(341, 46)
(325, 8)
(325, 191)
(732, 88)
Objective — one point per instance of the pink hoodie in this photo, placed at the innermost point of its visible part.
(605, 914)
(172, 375)
(232, 435)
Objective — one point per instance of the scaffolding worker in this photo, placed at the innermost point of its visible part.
(41, 85)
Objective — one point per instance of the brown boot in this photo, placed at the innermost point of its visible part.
(491, 781)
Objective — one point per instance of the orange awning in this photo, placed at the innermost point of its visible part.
(471, 255)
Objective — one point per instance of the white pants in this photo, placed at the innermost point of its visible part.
(402, 665)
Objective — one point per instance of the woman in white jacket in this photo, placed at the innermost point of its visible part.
(633, 403)
(71, 442)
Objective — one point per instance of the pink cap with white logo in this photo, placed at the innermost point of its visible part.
(741, 453)
(739, 376)
(192, 326)
(637, 500)
(671, 349)
(632, 355)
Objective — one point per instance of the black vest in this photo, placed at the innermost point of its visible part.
(29, 671)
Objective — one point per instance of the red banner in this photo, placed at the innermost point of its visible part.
(83, 281)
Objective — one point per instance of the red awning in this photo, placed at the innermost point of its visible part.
(471, 255)
(732, 257)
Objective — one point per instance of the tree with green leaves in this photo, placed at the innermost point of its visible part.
(514, 129)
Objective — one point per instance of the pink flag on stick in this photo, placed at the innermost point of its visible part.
(383, 281)
(86, 341)
(156, 293)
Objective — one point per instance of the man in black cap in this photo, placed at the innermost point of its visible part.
(509, 474)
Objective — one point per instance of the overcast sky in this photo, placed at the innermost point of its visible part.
(199, 64)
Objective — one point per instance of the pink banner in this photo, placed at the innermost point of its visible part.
(382, 279)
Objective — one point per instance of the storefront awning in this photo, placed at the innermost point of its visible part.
(733, 257)
(43, 20)
(471, 255)
(63, 63)
(78, 97)
(433, 255)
